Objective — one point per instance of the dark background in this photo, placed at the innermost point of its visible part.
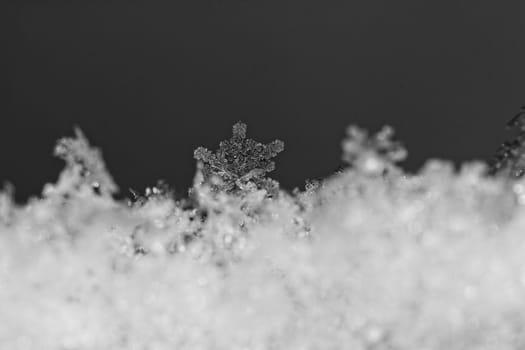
(149, 81)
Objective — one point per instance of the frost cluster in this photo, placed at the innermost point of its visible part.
(370, 259)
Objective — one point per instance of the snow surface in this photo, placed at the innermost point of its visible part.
(364, 260)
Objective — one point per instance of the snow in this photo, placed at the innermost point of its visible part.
(366, 259)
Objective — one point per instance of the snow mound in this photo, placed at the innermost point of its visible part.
(362, 260)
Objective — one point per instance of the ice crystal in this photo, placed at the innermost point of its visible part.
(509, 159)
(85, 168)
(372, 155)
(239, 162)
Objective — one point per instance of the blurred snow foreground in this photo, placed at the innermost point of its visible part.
(371, 258)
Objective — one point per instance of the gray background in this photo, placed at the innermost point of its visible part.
(148, 81)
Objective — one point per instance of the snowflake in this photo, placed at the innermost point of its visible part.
(239, 163)
(510, 156)
(85, 167)
(372, 155)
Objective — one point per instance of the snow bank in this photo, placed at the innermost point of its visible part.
(365, 260)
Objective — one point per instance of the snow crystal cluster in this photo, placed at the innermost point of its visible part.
(372, 258)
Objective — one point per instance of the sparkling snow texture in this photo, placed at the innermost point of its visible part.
(364, 260)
